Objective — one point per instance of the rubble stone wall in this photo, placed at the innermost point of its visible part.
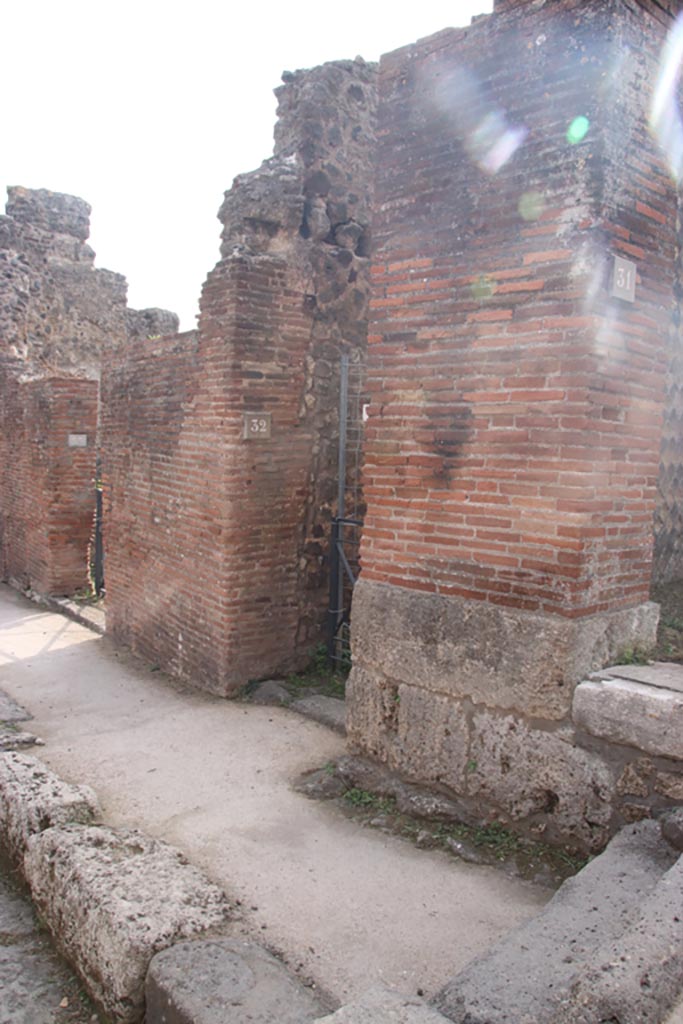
(512, 447)
(216, 542)
(56, 309)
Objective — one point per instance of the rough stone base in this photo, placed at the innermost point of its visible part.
(500, 766)
(226, 980)
(458, 648)
(475, 700)
(114, 898)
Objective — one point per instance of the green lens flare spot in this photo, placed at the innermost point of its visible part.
(531, 205)
(578, 130)
(482, 288)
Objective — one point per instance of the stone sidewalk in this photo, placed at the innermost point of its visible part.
(347, 908)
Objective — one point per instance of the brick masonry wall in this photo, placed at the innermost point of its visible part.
(48, 496)
(56, 313)
(512, 445)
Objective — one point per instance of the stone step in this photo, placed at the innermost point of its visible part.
(380, 1006)
(226, 981)
(535, 975)
(329, 711)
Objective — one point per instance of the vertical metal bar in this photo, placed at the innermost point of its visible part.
(341, 484)
(333, 607)
(99, 551)
(343, 429)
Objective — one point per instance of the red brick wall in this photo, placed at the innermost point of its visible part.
(47, 500)
(516, 409)
(203, 529)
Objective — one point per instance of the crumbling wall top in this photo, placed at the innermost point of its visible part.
(51, 211)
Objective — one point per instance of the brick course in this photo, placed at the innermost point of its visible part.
(201, 526)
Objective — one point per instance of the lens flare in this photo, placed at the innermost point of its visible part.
(531, 205)
(484, 128)
(665, 116)
(578, 130)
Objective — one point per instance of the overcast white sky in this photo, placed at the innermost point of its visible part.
(148, 110)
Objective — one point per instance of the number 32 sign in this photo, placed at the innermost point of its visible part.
(256, 426)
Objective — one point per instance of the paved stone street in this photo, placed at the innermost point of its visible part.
(36, 986)
(343, 905)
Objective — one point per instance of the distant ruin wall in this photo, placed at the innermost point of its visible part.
(216, 540)
(56, 310)
(512, 446)
(47, 448)
(58, 314)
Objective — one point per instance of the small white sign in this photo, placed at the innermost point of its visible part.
(256, 426)
(624, 279)
(78, 441)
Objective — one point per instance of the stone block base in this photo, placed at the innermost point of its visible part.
(500, 657)
(475, 700)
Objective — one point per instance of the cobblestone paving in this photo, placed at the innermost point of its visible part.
(36, 986)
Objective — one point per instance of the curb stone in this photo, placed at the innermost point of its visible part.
(329, 711)
(112, 898)
(33, 798)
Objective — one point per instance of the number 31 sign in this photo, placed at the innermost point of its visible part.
(624, 280)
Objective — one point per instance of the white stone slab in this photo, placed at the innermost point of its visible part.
(646, 717)
(663, 674)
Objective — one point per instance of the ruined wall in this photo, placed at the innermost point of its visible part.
(58, 313)
(515, 418)
(215, 541)
(56, 309)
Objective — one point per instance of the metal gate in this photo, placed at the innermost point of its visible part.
(347, 524)
(97, 548)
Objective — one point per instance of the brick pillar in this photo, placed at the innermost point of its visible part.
(512, 445)
(202, 524)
